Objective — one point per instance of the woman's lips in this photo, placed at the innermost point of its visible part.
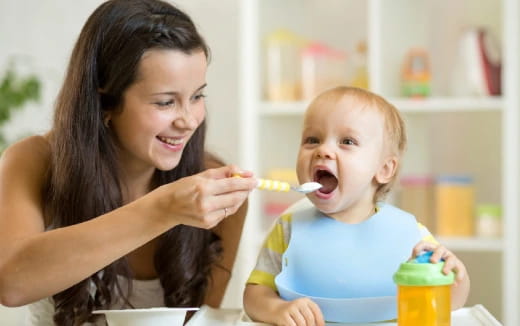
(172, 143)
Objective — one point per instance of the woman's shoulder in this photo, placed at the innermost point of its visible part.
(37, 145)
(31, 152)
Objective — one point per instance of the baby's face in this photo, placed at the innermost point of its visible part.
(342, 147)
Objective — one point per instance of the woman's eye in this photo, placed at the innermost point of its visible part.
(347, 141)
(199, 97)
(165, 103)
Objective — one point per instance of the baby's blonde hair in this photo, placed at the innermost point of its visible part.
(394, 124)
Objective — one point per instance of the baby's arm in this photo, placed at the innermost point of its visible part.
(261, 300)
(262, 303)
(460, 289)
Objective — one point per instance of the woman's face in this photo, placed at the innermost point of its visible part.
(161, 110)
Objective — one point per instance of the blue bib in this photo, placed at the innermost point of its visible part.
(347, 268)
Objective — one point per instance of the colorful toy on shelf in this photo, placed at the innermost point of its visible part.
(359, 60)
(416, 76)
(423, 293)
(478, 68)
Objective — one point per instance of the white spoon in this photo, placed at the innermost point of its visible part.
(274, 185)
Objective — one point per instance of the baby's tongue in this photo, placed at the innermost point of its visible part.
(329, 183)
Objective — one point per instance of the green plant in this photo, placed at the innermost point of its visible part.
(15, 91)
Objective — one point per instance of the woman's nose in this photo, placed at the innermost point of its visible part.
(185, 119)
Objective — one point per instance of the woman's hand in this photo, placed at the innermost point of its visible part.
(204, 199)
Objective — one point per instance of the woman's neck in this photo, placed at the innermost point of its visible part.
(135, 184)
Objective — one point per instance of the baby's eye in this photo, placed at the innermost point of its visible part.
(311, 140)
(165, 103)
(348, 141)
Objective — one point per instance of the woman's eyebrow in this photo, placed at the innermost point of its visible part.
(175, 93)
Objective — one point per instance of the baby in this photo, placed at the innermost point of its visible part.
(348, 243)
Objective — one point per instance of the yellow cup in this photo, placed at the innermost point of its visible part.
(423, 293)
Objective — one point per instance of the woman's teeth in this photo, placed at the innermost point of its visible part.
(170, 141)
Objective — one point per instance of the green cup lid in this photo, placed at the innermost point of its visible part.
(422, 273)
(489, 210)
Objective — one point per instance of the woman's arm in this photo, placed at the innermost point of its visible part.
(35, 264)
(229, 231)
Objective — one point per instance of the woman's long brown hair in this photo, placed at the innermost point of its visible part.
(83, 178)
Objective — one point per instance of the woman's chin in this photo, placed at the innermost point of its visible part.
(166, 166)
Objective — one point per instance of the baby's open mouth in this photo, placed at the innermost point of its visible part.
(327, 180)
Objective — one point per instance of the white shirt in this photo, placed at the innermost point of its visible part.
(145, 294)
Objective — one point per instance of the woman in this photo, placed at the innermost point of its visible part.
(114, 206)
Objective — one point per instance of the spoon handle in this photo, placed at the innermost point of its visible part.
(273, 185)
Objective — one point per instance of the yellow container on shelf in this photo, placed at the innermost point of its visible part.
(323, 67)
(454, 206)
(282, 62)
(488, 221)
(423, 293)
(416, 197)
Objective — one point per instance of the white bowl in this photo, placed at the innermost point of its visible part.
(146, 317)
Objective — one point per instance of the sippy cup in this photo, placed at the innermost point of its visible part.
(424, 293)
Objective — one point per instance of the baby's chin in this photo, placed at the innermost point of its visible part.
(323, 206)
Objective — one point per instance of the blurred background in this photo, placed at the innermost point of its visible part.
(452, 68)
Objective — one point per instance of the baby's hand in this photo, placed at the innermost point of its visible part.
(451, 262)
(299, 312)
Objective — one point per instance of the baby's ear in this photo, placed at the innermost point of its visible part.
(387, 170)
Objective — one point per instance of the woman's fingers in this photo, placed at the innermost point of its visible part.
(204, 199)
(226, 172)
(217, 207)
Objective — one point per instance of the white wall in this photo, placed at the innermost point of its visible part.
(41, 34)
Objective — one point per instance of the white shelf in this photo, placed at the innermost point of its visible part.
(427, 105)
(474, 244)
(476, 135)
(274, 109)
(448, 104)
